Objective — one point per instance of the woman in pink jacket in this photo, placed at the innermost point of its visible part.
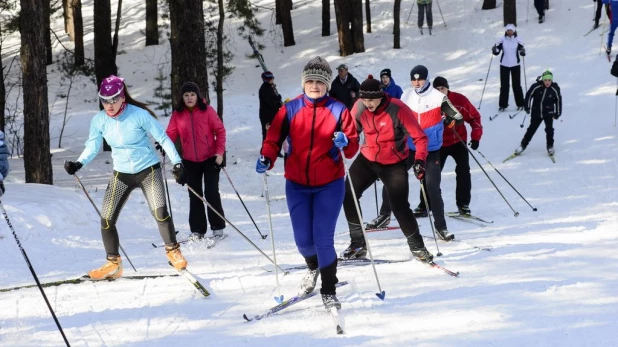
(202, 137)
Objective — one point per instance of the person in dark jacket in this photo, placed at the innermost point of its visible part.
(345, 87)
(512, 48)
(4, 162)
(453, 146)
(388, 84)
(270, 101)
(544, 104)
(388, 125)
(319, 130)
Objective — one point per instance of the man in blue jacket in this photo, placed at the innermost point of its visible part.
(613, 20)
(389, 85)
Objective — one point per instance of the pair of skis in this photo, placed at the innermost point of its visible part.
(512, 156)
(212, 241)
(510, 116)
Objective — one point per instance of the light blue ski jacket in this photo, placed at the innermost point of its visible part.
(127, 135)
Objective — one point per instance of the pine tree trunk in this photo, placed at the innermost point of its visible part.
(286, 23)
(343, 13)
(396, 24)
(187, 43)
(104, 57)
(488, 5)
(278, 5)
(325, 17)
(220, 67)
(37, 156)
(117, 28)
(510, 12)
(46, 27)
(78, 25)
(152, 23)
(68, 18)
(357, 26)
(368, 15)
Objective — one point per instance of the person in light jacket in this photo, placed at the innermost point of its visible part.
(512, 49)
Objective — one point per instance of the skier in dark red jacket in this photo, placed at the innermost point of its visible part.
(452, 146)
(317, 128)
(387, 123)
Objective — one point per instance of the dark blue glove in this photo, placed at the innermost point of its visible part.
(179, 174)
(522, 52)
(72, 167)
(340, 139)
(495, 50)
(262, 165)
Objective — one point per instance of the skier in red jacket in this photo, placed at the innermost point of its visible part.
(452, 146)
(202, 137)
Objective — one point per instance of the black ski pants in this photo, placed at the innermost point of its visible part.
(363, 174)
(205, 171)
(506, 74)
(422, 9)
(535, 121)
(459, 152)
(120, 186)
(539, 5)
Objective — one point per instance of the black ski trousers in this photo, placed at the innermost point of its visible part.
(459, 152)
(539, 5)
(120, 186)
(363, 174)
(535, 121)
(506, 74)
(422, 9)
(205, 171)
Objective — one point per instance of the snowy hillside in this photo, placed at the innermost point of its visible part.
(545, 278)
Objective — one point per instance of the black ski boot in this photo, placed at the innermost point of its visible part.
(380, 221)
(444, 235)
(423, 255)
(330, 301)
(357, 249)
(420, 212)
(464, 209)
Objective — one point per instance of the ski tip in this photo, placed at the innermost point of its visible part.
(534, 209)
(339, 330)
(247, 318)
(279, 299)
(516, 214)
(153, 245)
(381, 295)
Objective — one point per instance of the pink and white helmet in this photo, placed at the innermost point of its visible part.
(111, 86)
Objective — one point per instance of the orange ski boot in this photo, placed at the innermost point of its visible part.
(175, 257)
(110, 271)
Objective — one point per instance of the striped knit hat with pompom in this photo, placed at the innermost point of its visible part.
(317, 69)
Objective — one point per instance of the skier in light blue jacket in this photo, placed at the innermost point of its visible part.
(125, 124)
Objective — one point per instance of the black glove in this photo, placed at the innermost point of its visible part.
(495, 50)
(527, 110)
(419, 169)
(522, 52)
(179, 174)
(72, 167)
(2, 190)
(159, 148)
(557, 116)
(474, 144)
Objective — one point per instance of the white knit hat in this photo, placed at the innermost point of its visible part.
(510, 27)
(317, 69)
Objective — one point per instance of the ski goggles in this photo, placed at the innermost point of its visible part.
(110, 100)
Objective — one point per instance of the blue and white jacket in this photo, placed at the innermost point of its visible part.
(127, 135)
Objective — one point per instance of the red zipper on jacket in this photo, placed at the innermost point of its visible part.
(311, 140)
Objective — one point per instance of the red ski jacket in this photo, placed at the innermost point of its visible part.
(309, 125)
(202, 134)
(387, 130)
(470, 115)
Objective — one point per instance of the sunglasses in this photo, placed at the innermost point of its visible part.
(111, 100)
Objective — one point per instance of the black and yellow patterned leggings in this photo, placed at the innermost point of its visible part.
(118, 190)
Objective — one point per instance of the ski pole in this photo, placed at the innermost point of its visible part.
(235, 228)
(486, 77)
(516, 214)
(523, 120)
(602, 31)
(99, 213)
(375, 191)
(279, 297)
(525, 78)
(527, 10)
(381, 294)
(409, 13)
(243, 203)
(435, 238)
(616, 102)
(507, 181)
(438, 2)
(36, 278)
(167, 191)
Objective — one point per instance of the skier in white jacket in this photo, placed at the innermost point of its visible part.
(512, 48)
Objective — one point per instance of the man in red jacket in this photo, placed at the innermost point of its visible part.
(387, 123)
(454, 147)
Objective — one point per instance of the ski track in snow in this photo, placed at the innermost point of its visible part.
(549, 279)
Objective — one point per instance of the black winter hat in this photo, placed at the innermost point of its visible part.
(267, 76)
(386, 72)
(419, 72)
(190, 87)
(371, 89)
(440, 82)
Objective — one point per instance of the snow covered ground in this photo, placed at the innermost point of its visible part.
(548, 280)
